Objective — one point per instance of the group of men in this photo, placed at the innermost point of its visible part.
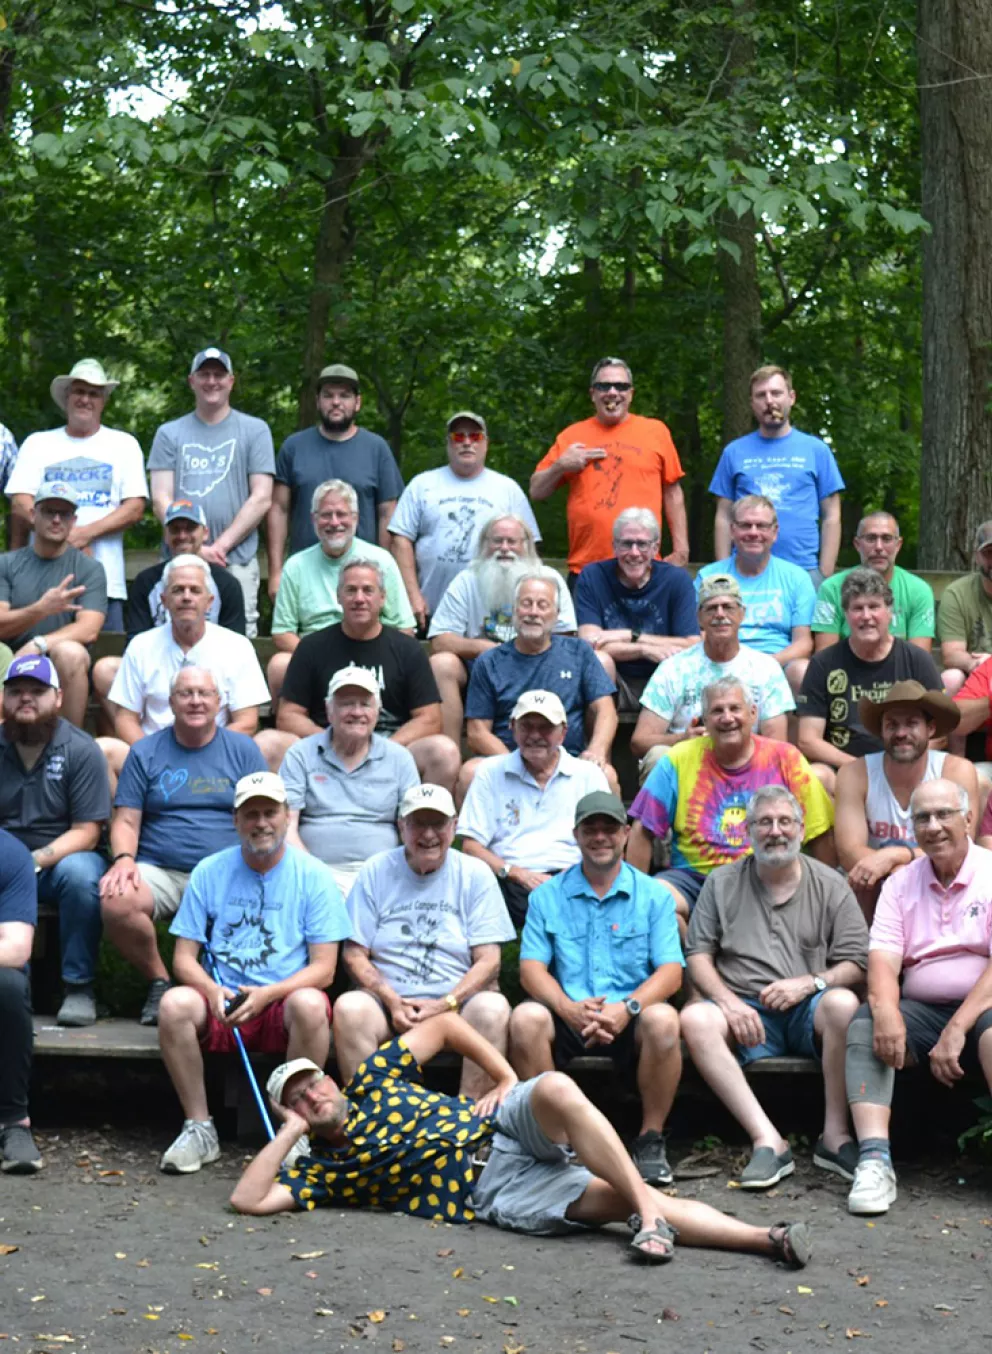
(778, 704)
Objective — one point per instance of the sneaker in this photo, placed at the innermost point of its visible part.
(766, 1168)
(20, 1154)
(157, 989)
(300, 1148)
(196, 1146)
(78, 1007)
(648, 1154)
(874, 1188)
(843, 1162)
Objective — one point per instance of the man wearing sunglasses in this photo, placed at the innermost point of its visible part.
(441, 513)
(612, 461)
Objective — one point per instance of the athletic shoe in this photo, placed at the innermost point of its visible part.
(874, 1188)
(766, 1168)
(78, 1007)
(843, 1162)
(20, 1154)
(196, 1146)
(648, 1155)
(157, 989)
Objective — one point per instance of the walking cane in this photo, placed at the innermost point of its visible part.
(250, 1071)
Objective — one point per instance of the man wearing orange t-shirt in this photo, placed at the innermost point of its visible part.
(613, 461)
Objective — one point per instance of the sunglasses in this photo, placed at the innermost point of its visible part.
(604, 386)
(467, 437)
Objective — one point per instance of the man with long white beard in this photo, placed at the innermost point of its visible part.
(476, 612)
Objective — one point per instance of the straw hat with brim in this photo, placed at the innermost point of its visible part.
(934, 704)
(89, 370)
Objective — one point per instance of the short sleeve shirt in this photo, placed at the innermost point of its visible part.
(420, 929)
(912, 607)
(8, 454)
(666, 605)
(796, 473)
(18, 886)
(306, 459)
(212, 463)
(25, 576)
(776, 601)
(966, 614)
(307, 599)
(675, 691)
(145, 607)
(601, 947)
(704, 804)
(462, 611)
(444, 513)
(978, 686)
(409, 1150)
(67, 784)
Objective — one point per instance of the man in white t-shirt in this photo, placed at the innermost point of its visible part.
(142, 687)
(427, 926)
(104, 466)
(440, 513)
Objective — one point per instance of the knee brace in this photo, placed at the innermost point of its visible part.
(868, 1080)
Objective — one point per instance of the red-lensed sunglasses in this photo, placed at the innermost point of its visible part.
(467, 437)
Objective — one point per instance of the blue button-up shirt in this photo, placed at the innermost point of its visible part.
(601, 947)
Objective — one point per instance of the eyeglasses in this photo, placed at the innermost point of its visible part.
(753, 526)
(604, 386)
(782, 824)
(943, 816)
(477, 436)
(327, 518)
(878, 538)
(47, 511)
(645, 547)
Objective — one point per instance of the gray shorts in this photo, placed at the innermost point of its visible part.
(167, 888)
(529, 1182)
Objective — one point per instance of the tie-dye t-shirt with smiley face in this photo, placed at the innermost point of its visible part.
(409, 1150)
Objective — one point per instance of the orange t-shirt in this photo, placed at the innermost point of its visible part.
(640, 460)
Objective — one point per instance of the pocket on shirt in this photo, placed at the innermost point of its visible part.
(630, 953)
(570, 940)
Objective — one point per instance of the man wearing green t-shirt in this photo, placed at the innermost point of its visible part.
(966, 617)
(878, 543)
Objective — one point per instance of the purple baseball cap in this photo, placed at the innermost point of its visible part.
(35, 666)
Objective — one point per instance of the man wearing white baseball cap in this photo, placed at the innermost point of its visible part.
(273, 918)
(519, 812)
(427, 927)
(104, 466)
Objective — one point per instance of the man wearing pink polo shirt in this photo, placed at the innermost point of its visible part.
(933, 926)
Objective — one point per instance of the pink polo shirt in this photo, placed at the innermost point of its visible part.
(943, 935)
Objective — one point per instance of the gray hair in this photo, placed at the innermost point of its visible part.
(722, 687)
(766, 794)
(870, 517)
(542, 574)
(611, 362)
(862, 582)
(340, 489)
(751, 501)
(483, 541)
(192, 667)
(377, 569)
(187, 562)
(636, 517)
(964, 803)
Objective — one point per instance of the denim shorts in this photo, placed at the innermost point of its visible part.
(788, 1031)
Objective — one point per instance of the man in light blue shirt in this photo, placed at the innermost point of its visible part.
(600, 956)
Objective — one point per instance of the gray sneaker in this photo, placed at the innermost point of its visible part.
(20, 1153)
(78, 1007)
(157, 989)
(766, 1168)
(196, 1146)
(648, 1155)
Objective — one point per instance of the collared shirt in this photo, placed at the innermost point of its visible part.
(525, 823)
(601, 947)
(347, 815)
(944, 935)
(67, 784)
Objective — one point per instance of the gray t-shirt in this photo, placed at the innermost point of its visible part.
(211, 463)
(347, 816)
(754, 942)
(24, 576)
(420, 929)
(306, 459)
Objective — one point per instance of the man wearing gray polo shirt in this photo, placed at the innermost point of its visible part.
(345, 784)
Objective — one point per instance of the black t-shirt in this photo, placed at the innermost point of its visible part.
(145, 609)
(406, 681)
(837, 678)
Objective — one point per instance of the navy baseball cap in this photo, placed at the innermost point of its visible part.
(182, 507)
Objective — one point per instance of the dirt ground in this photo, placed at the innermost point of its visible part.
(113, 1256)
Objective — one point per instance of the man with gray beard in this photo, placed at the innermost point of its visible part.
(476, 612)
(775, 945)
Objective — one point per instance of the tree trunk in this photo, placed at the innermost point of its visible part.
(955, 77)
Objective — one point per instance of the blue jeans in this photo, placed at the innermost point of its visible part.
(788, 1031)
(74, 886)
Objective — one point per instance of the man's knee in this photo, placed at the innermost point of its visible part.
(449, 668)
(273, 745)
(438, 760)
(868, 1080)
(609, 667)
(557, 1092)
(306, 1007)
(276, 673)
(489, 1014)
(355, 1011)
(701, 1021)
(79, 872)
(182, 1006)
(658, 1026)
(104, 672)
(530, 1024)
(71, 659)
(838, 1006)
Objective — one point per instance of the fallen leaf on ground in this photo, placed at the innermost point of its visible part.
(786, 1311)
(120, 1255)
(512, 1301)
(150, 1316)
(669, 1314)
(399, 1346)
(307, 1255)
(513, 1349)
(447, 1340)
(852, 1333)
(264, 1292)
(377, 1316)
(881, 1302)
(143, 1264)
(184, 1336)
(8, 1250)
(863, 1281)
(806, 1292)
(323, 1311)
(207, 1264)
(733, 1184)
(448, 1250)
(457, 1273)
(486, 1299)
(310, 1274)
(204, 1241)
(464, 1311)
(38, 1297)
(56, 1339)
(104, 1173)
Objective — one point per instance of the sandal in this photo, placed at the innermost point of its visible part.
(661, 1232)
(791, 1243)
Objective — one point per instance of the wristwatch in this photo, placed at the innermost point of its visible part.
(819, 984)
(452, 1002)
(504, 871)
(633, 1006)
(40, 643)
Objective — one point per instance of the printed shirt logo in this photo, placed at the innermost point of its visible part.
(170, 781)
(92, 480)
(203, 468)
(55, 766)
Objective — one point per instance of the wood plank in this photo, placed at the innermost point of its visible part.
(113, 1038)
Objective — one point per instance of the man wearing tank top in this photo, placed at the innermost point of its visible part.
(874, 830)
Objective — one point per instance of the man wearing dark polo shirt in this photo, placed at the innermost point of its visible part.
(55, 797)
(18, 916)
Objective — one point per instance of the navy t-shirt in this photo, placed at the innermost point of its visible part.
(666, 605)
(186, 795)
(306, 459)
(18, 887)
(569, 668)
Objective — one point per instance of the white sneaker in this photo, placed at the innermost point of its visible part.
(196, 1146)
(300, 1148)
(874, 1188)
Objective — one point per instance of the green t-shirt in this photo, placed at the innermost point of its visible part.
(966, 614)
(307, 599)
(912, 607)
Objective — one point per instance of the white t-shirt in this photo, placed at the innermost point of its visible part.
(460, 612)
(507, 811)
(152, 659)
(103, 469)
(676, 685)
(443, 515)
(420, 929)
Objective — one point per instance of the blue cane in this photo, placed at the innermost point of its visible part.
(252, 1079)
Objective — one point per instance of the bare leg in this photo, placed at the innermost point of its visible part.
(465, 777)
(830, 1021)
(128, 925)
(438, 760)
(360, 1026)
(72, 663)
(826, 775)
(307, 1027)
(706, 1033)
(115, 750)
(489, 1015)
(182, 1018)
(276, 675)
(698, 1224)
(659, 1067)
(452, 678)
(102, 679)
(532, 1034)
(273, 744)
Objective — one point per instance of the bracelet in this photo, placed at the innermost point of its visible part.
(452, 1002)
(122, 855)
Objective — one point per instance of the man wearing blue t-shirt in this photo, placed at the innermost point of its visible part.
(778, 596)
(18, 918)
(173, 807)
(797, 472)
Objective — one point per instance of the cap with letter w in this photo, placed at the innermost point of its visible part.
(259, 785)
(544, 703)
(433, 797)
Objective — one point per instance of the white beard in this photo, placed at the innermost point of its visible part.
(497, 581)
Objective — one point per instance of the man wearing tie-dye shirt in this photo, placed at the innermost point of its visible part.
(699, 790)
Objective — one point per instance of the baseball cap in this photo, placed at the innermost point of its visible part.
(259, 785)
(434, 797)
(472, 418)
(544, 703)
(33, 665)
(718, 585)
(983, 535)
(89, 370)
(600, 804)
(353, 676)
(285, 1072)
(183, 508)
(211, 355)
(57, 489)
(337, 371)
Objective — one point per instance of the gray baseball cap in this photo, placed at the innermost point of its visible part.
(337, 371)
(477, 419)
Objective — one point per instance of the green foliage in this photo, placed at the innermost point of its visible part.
(980, 1134)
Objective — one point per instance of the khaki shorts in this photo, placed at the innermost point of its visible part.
(167, 888)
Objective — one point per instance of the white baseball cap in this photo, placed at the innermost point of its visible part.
(354, 676)
(285, 1072)
(433, 797)
(544, 703)
(259, 785)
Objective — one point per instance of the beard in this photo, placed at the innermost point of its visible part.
(336, 425)
(771, 852)
(31, 732)
(497, 580)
